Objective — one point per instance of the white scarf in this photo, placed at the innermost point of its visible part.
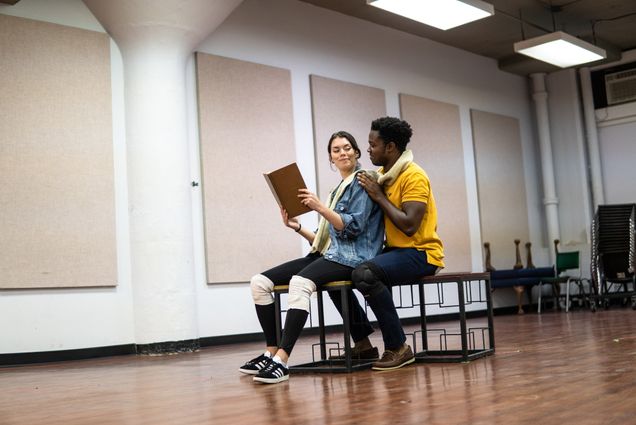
(388, 178)
(322, 239)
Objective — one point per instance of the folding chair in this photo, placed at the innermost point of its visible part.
(565, 261)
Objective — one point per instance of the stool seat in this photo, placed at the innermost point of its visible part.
(284, 288)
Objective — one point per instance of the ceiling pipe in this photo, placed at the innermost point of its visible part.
(591, 131)
(550, 200)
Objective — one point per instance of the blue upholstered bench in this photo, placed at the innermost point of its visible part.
(520, 280)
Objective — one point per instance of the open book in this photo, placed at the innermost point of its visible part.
(284, 184)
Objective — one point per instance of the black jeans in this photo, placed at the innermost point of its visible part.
(320, 271)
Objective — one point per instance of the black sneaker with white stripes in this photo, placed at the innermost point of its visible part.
(273, 373)
(253, 366)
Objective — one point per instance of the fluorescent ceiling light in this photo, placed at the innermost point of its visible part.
(442, 14)
(560, 49)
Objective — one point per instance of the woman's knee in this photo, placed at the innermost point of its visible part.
(262, 288)
(300, 290)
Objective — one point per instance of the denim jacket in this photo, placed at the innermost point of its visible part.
(362, 236)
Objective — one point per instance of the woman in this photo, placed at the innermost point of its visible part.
(350, 231)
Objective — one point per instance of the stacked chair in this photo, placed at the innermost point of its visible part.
(614, 254)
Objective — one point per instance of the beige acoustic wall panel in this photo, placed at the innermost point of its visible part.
(437, 147)
(56, 157)
(246, 129)
(338, 105)
(501, 185)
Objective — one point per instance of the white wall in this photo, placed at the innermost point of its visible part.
(566, 130)
(307, 40)
(618, 161)
(310, 40)
(617, 145)
(570, 170)
(65, 319)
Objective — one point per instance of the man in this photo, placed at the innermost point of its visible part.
(413, 248)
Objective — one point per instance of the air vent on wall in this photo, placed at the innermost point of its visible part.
(620, 87)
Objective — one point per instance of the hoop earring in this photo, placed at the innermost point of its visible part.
(331, 166)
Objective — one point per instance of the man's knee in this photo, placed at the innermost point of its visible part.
(262, 288)
(300, 290)
(367, 279)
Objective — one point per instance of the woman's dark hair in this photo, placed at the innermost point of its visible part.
(347, 136)
(393, 130)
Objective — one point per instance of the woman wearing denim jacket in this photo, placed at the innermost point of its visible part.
(350, 231)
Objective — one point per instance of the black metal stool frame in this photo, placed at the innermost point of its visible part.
(324, 364)
(463, 281)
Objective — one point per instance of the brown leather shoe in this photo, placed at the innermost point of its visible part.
(358, 354)
(395, 359)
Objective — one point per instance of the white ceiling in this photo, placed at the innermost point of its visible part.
(608, 23)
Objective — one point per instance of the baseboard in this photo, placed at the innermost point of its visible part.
(168, 347)
(504, 311)
(93, 352)
(192, 345)
(64, 355)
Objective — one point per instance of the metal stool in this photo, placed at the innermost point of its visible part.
(324, 364)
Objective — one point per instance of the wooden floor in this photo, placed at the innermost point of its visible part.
(557, 368)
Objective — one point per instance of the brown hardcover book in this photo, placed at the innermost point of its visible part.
(284, 184)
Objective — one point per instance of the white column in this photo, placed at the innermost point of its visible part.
(550, 200)
(591, 131)
(155, 38)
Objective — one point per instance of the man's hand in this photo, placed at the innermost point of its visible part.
(371, 186)
(408, 219)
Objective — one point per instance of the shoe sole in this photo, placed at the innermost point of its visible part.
(271, 380)
(407, 362)
(248, 371)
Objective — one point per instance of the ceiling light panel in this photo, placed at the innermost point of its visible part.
(442, 14)
(560, 49)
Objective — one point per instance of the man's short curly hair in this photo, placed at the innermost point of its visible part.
(393, 130)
